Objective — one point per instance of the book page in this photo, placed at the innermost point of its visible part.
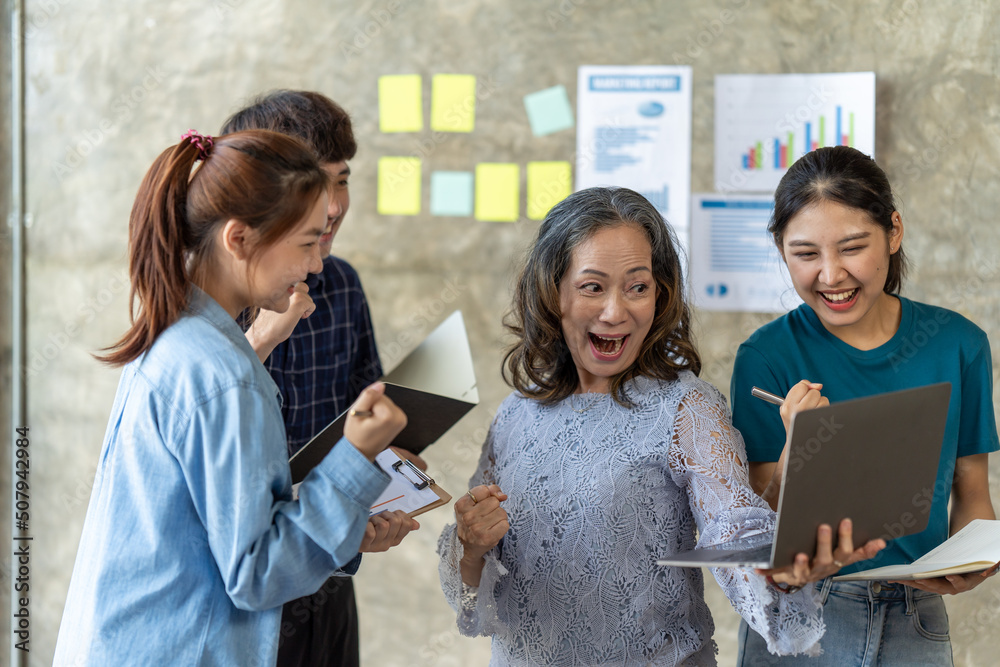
(978, 541)
(976, 547)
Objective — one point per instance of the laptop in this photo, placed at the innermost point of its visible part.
(866, 459)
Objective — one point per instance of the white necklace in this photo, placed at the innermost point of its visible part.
(591, 403)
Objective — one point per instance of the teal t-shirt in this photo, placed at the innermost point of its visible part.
(932, 345)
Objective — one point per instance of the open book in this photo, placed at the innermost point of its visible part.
(972, 549)
(435, 385)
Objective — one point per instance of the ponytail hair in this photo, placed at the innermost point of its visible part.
(266, 180)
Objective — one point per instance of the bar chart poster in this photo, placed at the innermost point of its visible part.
(734, 263)
(765, 122)
(634, 130)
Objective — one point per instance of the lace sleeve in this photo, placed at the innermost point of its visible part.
(708, 460)
(476, 614)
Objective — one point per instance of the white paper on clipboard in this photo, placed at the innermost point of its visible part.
(409, 489)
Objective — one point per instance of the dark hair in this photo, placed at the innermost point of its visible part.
(314, 118)
(266, 180)
(847, 176)
(539, 364)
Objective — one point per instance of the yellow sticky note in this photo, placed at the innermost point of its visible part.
(400, 106)
(453, 102)
(497, 191)
(399, 185)
(548, 184)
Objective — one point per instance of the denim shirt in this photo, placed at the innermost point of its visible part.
(192, 540)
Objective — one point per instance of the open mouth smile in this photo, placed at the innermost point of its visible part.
(840, 300)
(607, 347)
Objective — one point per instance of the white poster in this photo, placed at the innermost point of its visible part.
(634, 130)
(734, 262)
(765, 122)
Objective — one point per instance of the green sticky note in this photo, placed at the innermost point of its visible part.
(399, 185)
(548, 110)
(548, 184)
(497, 191)
(400, 106)
(453, 102)
(451, 193)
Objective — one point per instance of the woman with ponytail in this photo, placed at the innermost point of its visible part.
(193, 539)
(840, 234)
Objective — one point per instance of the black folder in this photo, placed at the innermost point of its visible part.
(428, 417)
(435, 385)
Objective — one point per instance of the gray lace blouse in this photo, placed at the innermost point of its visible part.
(597, 493)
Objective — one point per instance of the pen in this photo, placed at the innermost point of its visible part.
(766, 396)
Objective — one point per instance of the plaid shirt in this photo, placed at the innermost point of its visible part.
(330, 356)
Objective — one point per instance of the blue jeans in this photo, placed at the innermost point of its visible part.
(868, 624)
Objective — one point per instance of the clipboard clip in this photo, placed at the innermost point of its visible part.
(409, 471)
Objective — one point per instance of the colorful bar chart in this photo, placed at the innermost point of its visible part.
(765, 122)
(783, 155)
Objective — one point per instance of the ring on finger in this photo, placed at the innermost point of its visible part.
(838, 564)
(474, 500)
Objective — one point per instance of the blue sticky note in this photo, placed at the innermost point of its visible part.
(548, 110)
(451, 193)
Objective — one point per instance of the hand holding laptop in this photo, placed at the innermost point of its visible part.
(827, 560)
(806, 395)
(821, 462)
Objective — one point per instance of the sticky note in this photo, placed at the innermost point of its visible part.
(451, 193)
(548, 184)
(497, 191)
(453, 102)
(399, 185)
(400, 106)
(548, 110)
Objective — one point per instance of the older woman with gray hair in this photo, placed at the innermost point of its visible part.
(611, 453)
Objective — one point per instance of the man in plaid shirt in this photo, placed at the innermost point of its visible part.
(321, 354)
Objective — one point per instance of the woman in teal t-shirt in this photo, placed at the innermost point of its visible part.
(836, 225)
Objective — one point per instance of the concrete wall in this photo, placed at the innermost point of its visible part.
(5, 331)
(110, 84)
